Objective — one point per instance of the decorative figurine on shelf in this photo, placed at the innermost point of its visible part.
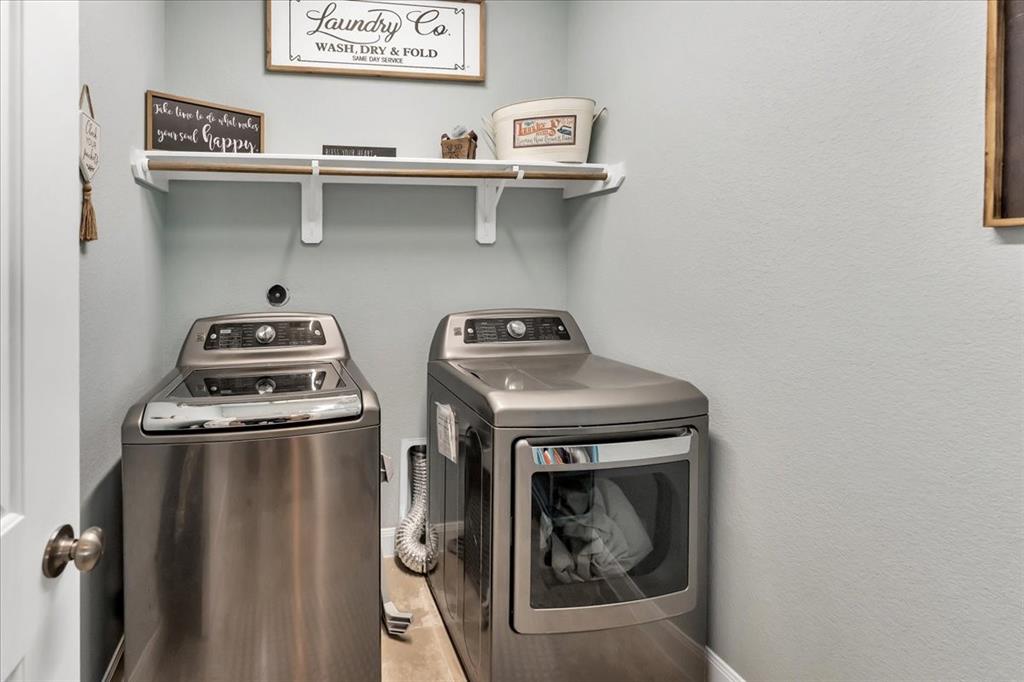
(458, 145)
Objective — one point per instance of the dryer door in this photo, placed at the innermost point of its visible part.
(605, 533)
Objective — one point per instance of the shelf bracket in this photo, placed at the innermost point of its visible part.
(140, 170)
(313, 207)
(488, 194)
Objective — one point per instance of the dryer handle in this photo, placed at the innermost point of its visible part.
(556, 456)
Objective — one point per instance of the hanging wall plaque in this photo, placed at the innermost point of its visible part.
(88, 163)
(440, 39)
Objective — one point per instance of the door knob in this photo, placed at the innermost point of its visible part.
(63, 547)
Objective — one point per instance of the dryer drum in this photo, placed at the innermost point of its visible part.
(415, 545)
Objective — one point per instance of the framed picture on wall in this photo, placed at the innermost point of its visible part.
(186, 124)
(422, 39)
(1004, 115)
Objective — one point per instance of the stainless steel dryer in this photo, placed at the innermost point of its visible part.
(251, 508)
(570, 493)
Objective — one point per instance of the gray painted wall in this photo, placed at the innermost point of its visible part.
(122, 54)
(800, 235)
(393, 260)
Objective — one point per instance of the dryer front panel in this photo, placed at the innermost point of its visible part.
(606, 533)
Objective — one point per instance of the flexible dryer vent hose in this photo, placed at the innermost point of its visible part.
(415, 546)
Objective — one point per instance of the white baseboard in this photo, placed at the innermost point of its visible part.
(719, 670)
(387, 542)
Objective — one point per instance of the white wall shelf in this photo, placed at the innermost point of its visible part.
(155, 169)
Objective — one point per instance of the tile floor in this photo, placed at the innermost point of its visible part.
(424, 653)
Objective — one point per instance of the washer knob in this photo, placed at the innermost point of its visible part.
(265, 333)
(265, 385)
(516, 329)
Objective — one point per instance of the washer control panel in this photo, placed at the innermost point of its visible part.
(268, 334)
(511, 329)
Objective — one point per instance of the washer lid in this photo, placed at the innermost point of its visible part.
(252, 397)
(567, 390)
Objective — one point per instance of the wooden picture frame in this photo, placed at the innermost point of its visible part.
(150, 94)
(995, 98)
(295, 65)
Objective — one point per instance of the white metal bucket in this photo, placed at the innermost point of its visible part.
(551, 129)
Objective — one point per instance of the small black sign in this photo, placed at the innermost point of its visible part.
(181, 124)
(354, 150)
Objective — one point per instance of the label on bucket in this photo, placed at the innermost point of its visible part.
(546, 131)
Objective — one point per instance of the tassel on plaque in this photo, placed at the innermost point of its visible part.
(87, 227)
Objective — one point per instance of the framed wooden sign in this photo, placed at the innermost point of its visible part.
(1004, 115)
(425, 39)
(175, 123)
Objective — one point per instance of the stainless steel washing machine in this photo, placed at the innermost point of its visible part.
(251, 508)
(570, 495)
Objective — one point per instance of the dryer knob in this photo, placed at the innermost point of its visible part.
(516, 329)
(265, 333)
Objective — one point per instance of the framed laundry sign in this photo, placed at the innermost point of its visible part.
(424, 39)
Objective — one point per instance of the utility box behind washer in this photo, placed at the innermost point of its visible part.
(251, 508)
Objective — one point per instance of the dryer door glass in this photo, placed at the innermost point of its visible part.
(609, 534)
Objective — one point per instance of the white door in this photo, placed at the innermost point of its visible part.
(39, 205)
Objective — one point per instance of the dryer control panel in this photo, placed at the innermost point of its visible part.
(495, 333)
(511, 329)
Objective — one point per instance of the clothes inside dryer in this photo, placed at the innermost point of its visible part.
(608, 536)
(592, 531)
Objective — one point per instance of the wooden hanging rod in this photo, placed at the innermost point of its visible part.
(278, 169)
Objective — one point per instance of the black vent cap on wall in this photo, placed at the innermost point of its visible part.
(277, 295)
